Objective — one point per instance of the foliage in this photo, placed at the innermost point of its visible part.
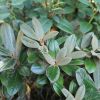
(48, 47)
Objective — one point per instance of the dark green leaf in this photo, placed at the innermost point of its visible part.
(33, 57)
(76, 62)
(14, 83)
(4, 78)
(70, 70)
(24, 70)
(90, 65)
(68, 10)
(22, 90)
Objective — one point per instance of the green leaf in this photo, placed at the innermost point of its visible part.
(57, 87)
(80, 93)
(76, 62)
(86, 40)
(4, 14)
(29, 32)
(20, 6)
(46, 24)
(90, 86)
(19, 43)
(87, 3)
(54, 46)
(29, 42)
(96, 74)
(73, 87)
(38, 27)
(60, 40)
(23, 56)
(83, 78)
(96, 1)
(4, 78)
(50, 35)
(39, 67)
(68, 10)
(22, 90)
(4, 92)
(85, 26)
(56, 18)
(70, 43)
(76, 54)
(14, 83)
(92, 96)
(2, 4)
(33, 57)
(23, 70)
(52, 54)
(70, 70)
(65, 26)
(81, 75)
(7, 63)
(41, 10)
(94, 42)
(42, 80)
(4, 51)
(53, 73)
(64, 61)
(16, 2)
(90, 65)
(8, 37)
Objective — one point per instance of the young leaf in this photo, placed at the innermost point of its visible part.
(29, 42)
(86, 40)
(96, 74)
(50, 35)
(76, 54)
(7, 63)
(43, 49)
(67, 93)
(4, 78)
(22, 90)
(53, 73)
(39, 67)
(19, 43)
(90, 65)
(70, 98)
(38, 27)
(23, 70)
(64, 61)
(4, 51)
(80, 93)
(29, 32)
(14, 83)
(8, 37)
(94, 42)
(70, 43)
(61, 54)
(48, 58)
